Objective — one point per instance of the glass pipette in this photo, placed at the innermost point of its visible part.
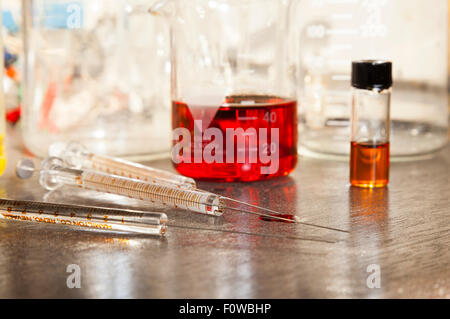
(93, 218)
(76, 155)
(53, 174)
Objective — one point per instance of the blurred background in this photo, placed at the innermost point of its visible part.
(99, 72)
(93, 71)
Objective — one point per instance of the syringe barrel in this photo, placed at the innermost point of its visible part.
(82, 217)
(76, 156)
(192, 200)
(54, 174)
(88, 212)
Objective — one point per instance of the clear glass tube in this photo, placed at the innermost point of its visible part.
(77, 156)
(92, 218)
(370, 131)
(53, 174)
(370, 116)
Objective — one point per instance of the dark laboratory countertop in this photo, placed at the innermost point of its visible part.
(403, 229)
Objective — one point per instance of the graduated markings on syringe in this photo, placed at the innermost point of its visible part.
(93, 218)
(54, 174)
(139, 190)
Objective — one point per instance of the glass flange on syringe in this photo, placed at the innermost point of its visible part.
(76, 155)
(54, 173)
(86, 217)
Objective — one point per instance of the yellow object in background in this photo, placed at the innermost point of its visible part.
(2, 154)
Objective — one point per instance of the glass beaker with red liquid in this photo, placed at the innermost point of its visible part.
(234, 106)
(248, 138)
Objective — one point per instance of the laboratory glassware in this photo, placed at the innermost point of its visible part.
(54, 174)
(96, 71)
(234, 106)
(2, 108)
(76, 155)
(410, 33)
(370, 123)
(92, 218)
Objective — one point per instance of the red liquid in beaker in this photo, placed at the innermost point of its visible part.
(256, 138)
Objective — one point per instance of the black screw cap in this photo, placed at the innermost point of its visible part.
(371, 74)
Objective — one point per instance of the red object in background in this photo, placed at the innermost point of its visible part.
(47, 105)
(265, 112)
(13, 115)
(12, 73)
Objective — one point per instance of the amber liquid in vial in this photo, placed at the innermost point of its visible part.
(369, 164)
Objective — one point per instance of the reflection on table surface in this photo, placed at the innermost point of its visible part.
(402, 228)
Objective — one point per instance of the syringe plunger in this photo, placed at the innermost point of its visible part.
(76, 155)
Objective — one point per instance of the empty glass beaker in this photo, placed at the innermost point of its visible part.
(97, 72)
(410, 33)
(234, 107)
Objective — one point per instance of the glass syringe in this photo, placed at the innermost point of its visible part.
(76, 155)
(54, 174)
(92, 218)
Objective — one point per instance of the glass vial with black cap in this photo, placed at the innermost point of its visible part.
(370, 123)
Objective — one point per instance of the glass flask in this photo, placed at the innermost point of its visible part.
(410, 33)
(233, 90)
(96, 72)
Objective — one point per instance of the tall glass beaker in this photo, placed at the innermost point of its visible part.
(234, 107)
